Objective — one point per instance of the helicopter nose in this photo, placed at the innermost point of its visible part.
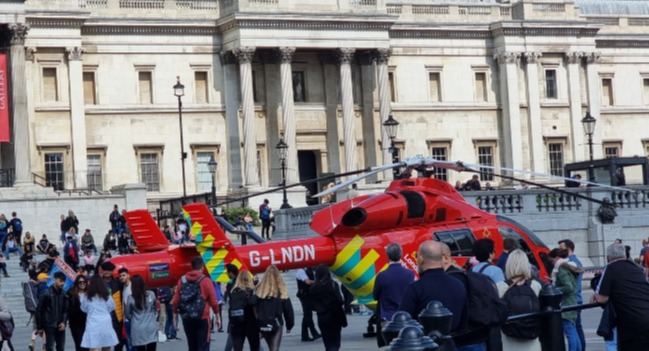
(355, 216)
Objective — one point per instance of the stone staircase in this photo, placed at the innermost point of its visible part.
(12, 292)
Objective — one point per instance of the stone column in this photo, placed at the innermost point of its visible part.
(22, 155)
(77, 118)
(288, 114)
(331, 86)
(512, 140)
(269, 59)
(382, 59)
(368, 122)
(574, 95)
(593, 83)
(231, 100)
(244, 56)
(345, 57)
(534, 112)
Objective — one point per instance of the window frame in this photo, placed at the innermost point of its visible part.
(215, 150)
(305, 91)
(440, 93)
(617, 144)
(555, 85)
(453, 234)
(440, 144)
(552, 142)
(150, 149)
(392, 83)
(145, 68)
(607, 77)
(57, 82)
(101, 153)
(644, 85)
(207, 87)
(485, 90)
(477, 144)
(91, 69)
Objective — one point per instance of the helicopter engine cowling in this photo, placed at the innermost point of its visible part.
(386, 210)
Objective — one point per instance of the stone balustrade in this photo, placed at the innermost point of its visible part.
(449, 12)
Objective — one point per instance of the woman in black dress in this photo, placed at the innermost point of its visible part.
(77, 317)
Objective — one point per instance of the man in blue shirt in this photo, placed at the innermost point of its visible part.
(434, 284)
(484, 252)
(390, 285)
(569, 245)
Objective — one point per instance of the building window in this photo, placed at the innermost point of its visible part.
(607, 91)
(555, 155)
(260, 164)
(551, 84)
(200, 87)
(299, 86)
(50, 85)
(434, 87)
(440, 153)
(612, 149)
(486, 158)
(393, 88)
(89, 97)
(149, 171)
(481, 86)
(95, 172)
(54, 175)
(203, 171)
(645, 83)
(146, 87)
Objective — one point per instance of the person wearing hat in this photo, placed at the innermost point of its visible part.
(115, 287)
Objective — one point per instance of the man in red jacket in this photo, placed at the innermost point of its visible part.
(186, 301)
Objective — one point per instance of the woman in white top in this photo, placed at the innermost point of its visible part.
(98, 304)
(517, 272)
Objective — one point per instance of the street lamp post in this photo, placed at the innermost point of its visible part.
(211, 167)
(589, 128)
(391, 126)
(281, 150)
(179, 92)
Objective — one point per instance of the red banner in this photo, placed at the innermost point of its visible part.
(4, 100)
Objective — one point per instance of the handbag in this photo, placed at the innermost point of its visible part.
(161, 336)
(339, 313)
(7, 328)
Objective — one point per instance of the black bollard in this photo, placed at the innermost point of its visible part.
(437, 321)
(551, 324)
(412, 338)
(399, 321)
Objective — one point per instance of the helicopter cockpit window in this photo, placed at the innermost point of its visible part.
(460, 241)
(530, 234)
(507, 232)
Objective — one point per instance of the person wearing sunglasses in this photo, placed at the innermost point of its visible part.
(76, 317)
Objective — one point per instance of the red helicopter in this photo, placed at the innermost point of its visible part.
(353, 234)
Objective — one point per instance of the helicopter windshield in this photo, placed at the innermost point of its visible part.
(535, 239)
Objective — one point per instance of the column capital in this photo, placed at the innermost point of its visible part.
(507, 57)
(574, 56)
(244, 54)
(532, 57)
(592, 57)
(75, 53)
(18, 32)
(286, 54)
(30, 52)
(382, 55)
(345, 55)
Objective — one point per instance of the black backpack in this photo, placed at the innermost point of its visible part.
(238, 303)
(522, 299)
(30, 294)
(191, 303)
(485, 308)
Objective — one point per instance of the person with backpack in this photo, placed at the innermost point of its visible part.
(485, 253)
(31, 293)
(194, 297)
(264, 215)
(8, 325)
(241, 315)
(16, 227)
(52, 313)
(521, 294)
(328, 303)
(564, 278)
(273, 308)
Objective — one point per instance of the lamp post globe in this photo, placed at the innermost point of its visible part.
(391, 125)
(281, 151)
(179, 92)
(588, 122)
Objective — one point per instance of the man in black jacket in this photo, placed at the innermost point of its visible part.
(52, 313)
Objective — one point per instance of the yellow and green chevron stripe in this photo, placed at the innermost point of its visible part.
(357, 271)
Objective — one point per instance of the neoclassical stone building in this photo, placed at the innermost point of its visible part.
(500, 83)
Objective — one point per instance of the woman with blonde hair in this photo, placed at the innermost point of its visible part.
(517, 274)
(243, 323)
(272, 308)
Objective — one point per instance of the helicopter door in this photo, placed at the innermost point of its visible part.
(507, 232)
(460, 241)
